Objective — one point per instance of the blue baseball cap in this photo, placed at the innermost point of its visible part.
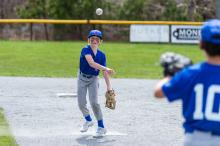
(210, 31)
(95, 33)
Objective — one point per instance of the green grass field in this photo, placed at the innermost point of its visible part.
(61, 59)
(5, 136)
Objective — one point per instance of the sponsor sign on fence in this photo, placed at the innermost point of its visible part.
(149, 33)
(185, 34)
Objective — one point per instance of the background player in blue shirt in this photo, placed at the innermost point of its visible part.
(92, 61)
(198, 87)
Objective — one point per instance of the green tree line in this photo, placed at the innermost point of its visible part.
(167, 10)
(187, 10)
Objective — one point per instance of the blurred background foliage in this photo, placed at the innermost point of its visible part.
(190, 10)
(166, 10)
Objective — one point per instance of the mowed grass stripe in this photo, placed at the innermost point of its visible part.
(61, 59)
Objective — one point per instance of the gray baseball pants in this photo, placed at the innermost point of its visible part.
(198, 138)
(90, 85)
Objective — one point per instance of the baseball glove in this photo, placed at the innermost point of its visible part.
(110, 99)
(173, 62)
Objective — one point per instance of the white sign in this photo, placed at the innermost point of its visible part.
(185, 34)
(149, 33)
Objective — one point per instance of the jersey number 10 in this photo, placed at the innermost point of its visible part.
(208, 109)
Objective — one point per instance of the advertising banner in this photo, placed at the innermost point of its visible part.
(185, 34)
(149, 33)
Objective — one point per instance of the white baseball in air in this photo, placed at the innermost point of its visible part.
(99, 11)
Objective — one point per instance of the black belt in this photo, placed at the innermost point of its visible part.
(211, 132)
(85, 75)
(214, 133)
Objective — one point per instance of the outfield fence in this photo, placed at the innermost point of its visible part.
(111, 22)
(48, 29)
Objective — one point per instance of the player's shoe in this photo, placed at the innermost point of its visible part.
(86, 126)
(100, 132)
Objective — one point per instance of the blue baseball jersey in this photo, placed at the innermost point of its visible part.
(98, 58)
(199, 89)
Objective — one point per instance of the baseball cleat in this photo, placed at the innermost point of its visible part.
(100, 132)
(86, 126)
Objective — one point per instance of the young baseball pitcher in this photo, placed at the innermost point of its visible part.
(92, 61)
(198, 86)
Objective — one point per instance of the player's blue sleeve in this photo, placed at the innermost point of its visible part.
(85, 51)
(177, 86)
